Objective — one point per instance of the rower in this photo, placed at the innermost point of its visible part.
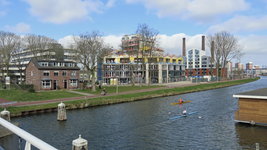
(180, 100)
(184, 112)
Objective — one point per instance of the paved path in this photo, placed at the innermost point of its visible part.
(170, 85)
(81, 93)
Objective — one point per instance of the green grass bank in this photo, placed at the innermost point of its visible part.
(107, 100)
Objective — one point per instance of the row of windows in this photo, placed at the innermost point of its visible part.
(47, 84)
(56, 73)
(57, 64)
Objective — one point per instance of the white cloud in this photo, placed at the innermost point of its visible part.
(255, 47)
(20, 28)
(240, 24)
(62, 11)
(112, 40)
(110, 3)
(173, 44)
(199, 10)
(66, 41)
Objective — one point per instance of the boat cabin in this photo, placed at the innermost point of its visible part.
(252, 107)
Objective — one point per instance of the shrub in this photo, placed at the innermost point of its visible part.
(58, 87)
(26, 86)
(31, 90)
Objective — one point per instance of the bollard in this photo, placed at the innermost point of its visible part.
(257, 146)
(79, 144)
(5, 115)
(61, 113)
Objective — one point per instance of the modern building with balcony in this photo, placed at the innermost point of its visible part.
(123, 66)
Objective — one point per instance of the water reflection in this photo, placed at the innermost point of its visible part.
(146, 125)
(249, 135)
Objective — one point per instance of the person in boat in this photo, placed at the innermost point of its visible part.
(184, 112)
(181, 100)
(104, 91)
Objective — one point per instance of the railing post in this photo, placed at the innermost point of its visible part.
(27, 146)
(257, 146)
(30, 139)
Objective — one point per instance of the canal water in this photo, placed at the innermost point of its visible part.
(146, 125)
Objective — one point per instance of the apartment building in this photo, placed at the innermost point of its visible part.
(126, 64)
(50, 74)
(249, 65)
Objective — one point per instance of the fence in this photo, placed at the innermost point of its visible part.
(30, 139)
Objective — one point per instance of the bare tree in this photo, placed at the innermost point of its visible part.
(226, 48)
(153, 38)
(9, 42)
(216, 51)
(38, 44)
(147, 38)
(18, 61)
(90, 46)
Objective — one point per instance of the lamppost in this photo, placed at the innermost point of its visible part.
(169, 79)
(117, 84)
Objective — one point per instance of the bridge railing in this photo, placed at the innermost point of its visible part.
(30, 139)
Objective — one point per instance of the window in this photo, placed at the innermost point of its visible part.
(55, 73)
(46, 73)
(46, 84)
(64, 73)
(73, 82)
(73, 73)
(31, 73)
(44, 63)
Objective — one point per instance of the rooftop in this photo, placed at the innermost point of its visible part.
(256, 94)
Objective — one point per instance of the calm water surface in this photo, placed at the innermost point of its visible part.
(146, 125)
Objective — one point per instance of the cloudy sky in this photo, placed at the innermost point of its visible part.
(174, 19)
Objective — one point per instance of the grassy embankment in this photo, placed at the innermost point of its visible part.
(106, 100)
(23, 96)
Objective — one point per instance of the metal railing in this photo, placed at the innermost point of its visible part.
(30, 139)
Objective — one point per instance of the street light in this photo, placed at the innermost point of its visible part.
(117, 84)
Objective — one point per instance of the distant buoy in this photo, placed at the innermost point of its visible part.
(169, 112)
(199, 117)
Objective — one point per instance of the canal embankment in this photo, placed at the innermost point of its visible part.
(110, 99)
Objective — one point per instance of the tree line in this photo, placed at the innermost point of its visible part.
(90, 47)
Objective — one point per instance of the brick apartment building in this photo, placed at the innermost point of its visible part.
(48, 74)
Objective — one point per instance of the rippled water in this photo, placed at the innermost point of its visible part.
(146, 125)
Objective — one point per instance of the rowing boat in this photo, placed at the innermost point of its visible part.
(181, 103)
(183, 115)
